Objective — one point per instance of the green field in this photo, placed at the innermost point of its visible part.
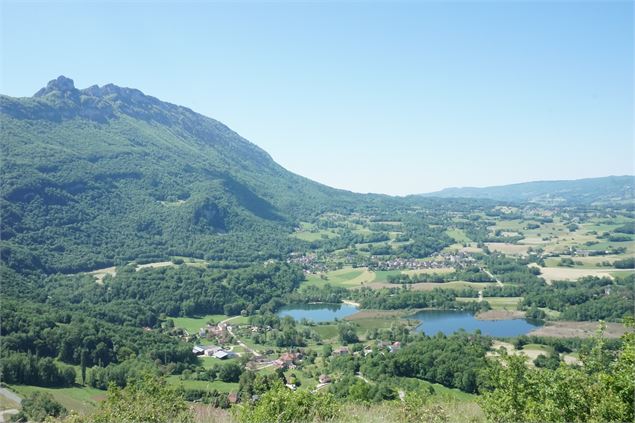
(458, 235)
(346, 277)
(497, 303)
(326, 331)
(202, 384)
(81, 399)
(193, 324)
(503, 303)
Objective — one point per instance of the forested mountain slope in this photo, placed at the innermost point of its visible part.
(104, 175)
(610, 189)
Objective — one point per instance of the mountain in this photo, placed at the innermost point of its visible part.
(610, 189)
(103, 175)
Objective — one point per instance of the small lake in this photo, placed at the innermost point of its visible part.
(317, 312)
(450, 321)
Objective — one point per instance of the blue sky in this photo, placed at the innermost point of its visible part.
(396, 98)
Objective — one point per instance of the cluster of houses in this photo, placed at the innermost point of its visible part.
(309, 262)
(219, 332)
(443, 260)
(212, 351)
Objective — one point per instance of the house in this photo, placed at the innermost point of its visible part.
(383, 344)
(324, 378)
(232, 397)
(340, 351)
(211, 349)
(396, 346)
(291, 386)
(198, 350)
(221, 355)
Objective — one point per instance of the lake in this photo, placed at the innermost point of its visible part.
(449, 321)
(317, 312)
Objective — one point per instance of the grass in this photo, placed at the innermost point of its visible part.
(193, 324)
(376, 323)
(497, 303)
(7, 404)
(326, 331)
(310, 236)
(503, 303)
(458, 235)
(538, 347)
(382, 275)
(82, 399)
(346, 277)
(220, 386)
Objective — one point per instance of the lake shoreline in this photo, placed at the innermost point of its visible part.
(500, 315)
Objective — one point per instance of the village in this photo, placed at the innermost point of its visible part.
(221, 342)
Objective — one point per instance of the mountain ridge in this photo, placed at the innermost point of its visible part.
(585, 190)
(98, 176)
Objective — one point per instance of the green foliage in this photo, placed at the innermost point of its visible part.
(627, 263)
(347, 334)
(144, 400)
(39, 406)
(28, 369)
(282, 405)
(416, 407)
(600, 391)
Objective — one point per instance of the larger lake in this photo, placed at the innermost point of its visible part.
(317, 312)
(449, 321)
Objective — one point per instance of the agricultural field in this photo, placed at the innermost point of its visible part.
(218, 385)
(82, 399)
(345, 278)
(193, 324)
(551, 274)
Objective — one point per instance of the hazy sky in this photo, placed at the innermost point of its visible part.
(396, 98)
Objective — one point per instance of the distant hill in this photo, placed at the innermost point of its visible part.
(103, 175)
(609, 189)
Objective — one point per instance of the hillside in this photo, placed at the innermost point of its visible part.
(610, 189)
(104, 175)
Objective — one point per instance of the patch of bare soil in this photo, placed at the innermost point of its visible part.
(367, 314)
(568, 329)
(500, 315)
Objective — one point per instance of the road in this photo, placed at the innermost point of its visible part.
(10, 396)
(241, 343)
(492, 276)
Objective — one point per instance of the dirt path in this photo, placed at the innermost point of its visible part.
(5, 415)
(499, 283)
(241, 343)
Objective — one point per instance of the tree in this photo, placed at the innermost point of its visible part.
(417, 408)
(283, 405)
(230, 372)
(38, 406)
(601, 390)
(148, 400)
(347, 334)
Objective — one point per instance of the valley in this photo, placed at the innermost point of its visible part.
(147, 247)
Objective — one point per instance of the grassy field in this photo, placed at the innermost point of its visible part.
(193, 324)
(497, 303)
(81, 399)
(458, 235)
(429, 286)
(503, 303)
(7, 404)
(309, 232)
(326, 331)
(220, 386)
(346, 277)
(510, 249)
(551, 274)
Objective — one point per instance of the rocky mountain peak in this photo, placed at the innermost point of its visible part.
(61, 84)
